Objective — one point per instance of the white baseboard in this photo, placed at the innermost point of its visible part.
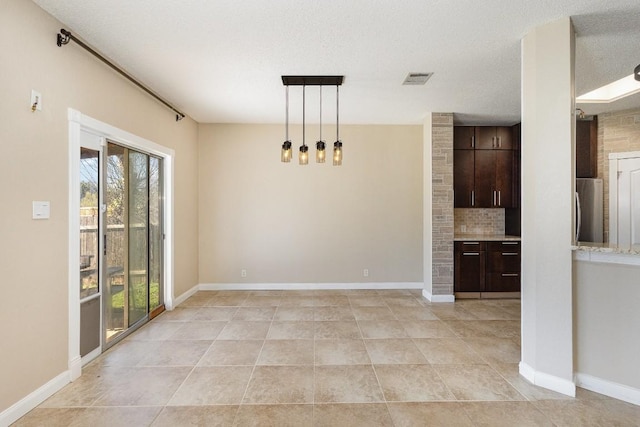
(24, 405)
(75, 368)
(307, 286)
(609, 388)
(182, 298)
(437, 298)
(547, 381)
(92, 355)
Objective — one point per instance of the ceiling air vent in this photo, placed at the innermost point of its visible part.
(414, 79)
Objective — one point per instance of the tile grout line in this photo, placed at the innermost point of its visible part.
(192, 369)
(373, 368)
(255, 364)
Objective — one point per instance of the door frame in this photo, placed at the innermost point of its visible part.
(78, 123)
(614, 158)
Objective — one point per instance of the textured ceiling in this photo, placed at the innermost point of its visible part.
(220, 61)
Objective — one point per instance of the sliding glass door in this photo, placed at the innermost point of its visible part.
(133, 240)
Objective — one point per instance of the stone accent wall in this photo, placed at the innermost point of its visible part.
(479, 221)
(442, 203)
(617, 132)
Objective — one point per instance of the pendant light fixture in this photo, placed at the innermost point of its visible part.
(636, 73)
(337, 146)
(304, 150)
(320, 144)
(285, 156)
(303, 156)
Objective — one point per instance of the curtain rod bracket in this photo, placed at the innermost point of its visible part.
(63, 38)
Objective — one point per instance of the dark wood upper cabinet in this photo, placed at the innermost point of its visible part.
(486, 177)
(587, 148)
(504, 183)
(463, 178)
(464, 137)
(494, 171)
(494, 138)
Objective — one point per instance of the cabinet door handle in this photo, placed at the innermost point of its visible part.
(499, 199)
(499, 139)
(494, 197)
(471, 253)
(510, 243)
(510, 274)
(493, 142)
(510, 254)
(470, 243)
(473, 197)
(473, 142)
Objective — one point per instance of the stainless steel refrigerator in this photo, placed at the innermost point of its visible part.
(589, 210)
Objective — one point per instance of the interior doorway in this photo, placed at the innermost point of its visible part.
(624, 198)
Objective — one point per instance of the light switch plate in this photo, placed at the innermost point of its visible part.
(41, 210)
(36, 99)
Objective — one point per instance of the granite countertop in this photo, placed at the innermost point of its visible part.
(485, 237)
(607, 248)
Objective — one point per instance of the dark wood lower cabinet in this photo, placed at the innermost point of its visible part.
(470, 262)
(487, 266)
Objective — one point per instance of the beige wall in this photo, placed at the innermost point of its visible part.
(286, 223)
(607, 319)
(34, 150)
(617, 132)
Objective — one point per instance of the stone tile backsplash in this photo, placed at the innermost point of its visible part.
(479, 221)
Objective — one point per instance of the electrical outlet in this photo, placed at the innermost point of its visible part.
(243, 273)
(463, 228)
(365, 272)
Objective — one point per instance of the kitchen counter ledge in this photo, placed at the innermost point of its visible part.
(607, 253)
(485, 237)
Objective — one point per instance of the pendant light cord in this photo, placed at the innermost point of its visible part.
(287, 116)
(303, 112)
(337, 113)
(320, 113)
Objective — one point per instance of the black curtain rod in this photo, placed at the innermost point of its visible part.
(66, 36)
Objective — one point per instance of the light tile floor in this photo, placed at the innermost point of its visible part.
(322, 358)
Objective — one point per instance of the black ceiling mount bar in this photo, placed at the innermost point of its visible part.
(312, 80)
(64, 38)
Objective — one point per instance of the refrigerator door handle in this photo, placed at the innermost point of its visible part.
(579, 215)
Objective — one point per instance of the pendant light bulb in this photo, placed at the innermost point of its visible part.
(337, 146)
(303, 158)
(337, 153)
(320, 152)
(285, 156)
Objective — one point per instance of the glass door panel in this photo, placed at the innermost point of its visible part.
(138, 236)
(116, 201)
(89, 225)
(156, 238)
